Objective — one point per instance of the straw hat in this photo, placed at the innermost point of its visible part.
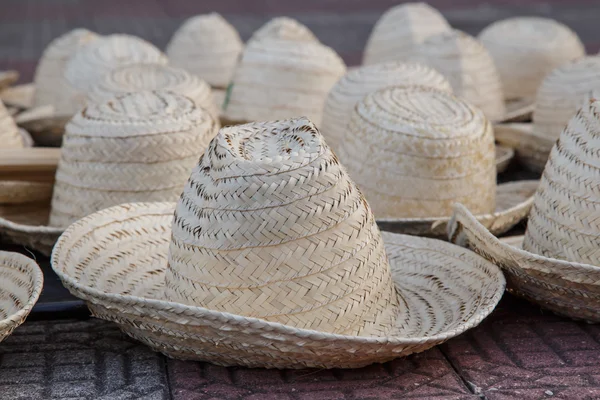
(263, 250)
(137, 146)
(8, 78)
(11, 137)
(21, 282)
(557, 265)
(526, 49)
(207, 46)
(359, 82)
(277, 80)
(415, 151)
(559, 97)
(284, 28)
(141, 77)
(400, 29)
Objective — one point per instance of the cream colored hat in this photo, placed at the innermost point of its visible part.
(207, 46)
(559, 97)
(11, 137)
(400, 29)
(359, 82)
(557, 266)
(21, 282)
(415, 151)
(284, 28)
(526, 49)
(265, 251)
(278, 80)
(142, 77)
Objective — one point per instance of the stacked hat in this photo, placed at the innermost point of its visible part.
(400, 30)
(469, 68)
(10, 135)
(558, 265)
(207, 46)
(278, 79)
(144, 77)
(91, 63)
(359, 82)
(284, 28)
(415, 151)
(526, 49)
(138, 146)
(272, 243)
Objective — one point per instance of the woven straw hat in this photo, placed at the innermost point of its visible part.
(276, 80)
(8, 78)
(557, 265)
(526, 49)
(415, 151)
(400, 29)
(207, 46)
(143, 77)
(559, 97)
(359, 82)
(137, 146)
(11, 137)
(284, 28)
(265, 251)
(21, 282)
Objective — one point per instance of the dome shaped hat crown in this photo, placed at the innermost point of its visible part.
(359, 82)
(526, 49)
(563, 222)
(284, 28)
(135, 147)
(415, 151)
(145, 77)
(271, 226)
(469, 68)
(400, 29)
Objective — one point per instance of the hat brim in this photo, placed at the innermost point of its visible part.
(20, 288)
(531, 148)
(518, 110)
(116, 259)
(504, 156)
(20, 96)
(513, 202)
(44, 125)
(566, 288)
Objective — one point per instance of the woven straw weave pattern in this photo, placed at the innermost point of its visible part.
(102, 260)
(415, 151)
(277, 79)
(51, 88)
(207, 46)
(469, 68)
(359, 82)
(270, 226)
(284, 28)
(400, 30)
(143, 77)
(138, 146)
(10, 137)
(526, 49)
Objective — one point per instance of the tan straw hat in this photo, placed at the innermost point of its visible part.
(11, 137)
(415, 151)
(526, 49)
(21, 282)
(558, 264)
(278, 79)
(559, 97)
(207, 46)
(359, 82)
(400, 29)
(143, 77)
(284, 28)
(273, 259)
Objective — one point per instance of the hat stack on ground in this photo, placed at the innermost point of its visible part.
(558, 265)
(526, 49)
(135, 147)
(143, 77)
(359, 82)
(469, 68)
(278, 79)
(400, 30)
(284, 28)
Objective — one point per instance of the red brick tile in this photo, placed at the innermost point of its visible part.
(226, 391)
(539, 359)
(579, 342)
(257, 377)
(322, 396)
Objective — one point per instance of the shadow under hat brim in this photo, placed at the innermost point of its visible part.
(531, 148)
(44, 125)
(518, 110)
(29, 275)
(567, 288)
(513, 202)
(444, 290)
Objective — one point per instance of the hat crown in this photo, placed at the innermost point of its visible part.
(563, 222)
(271, 226)
(541, 32)
(284, 28)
